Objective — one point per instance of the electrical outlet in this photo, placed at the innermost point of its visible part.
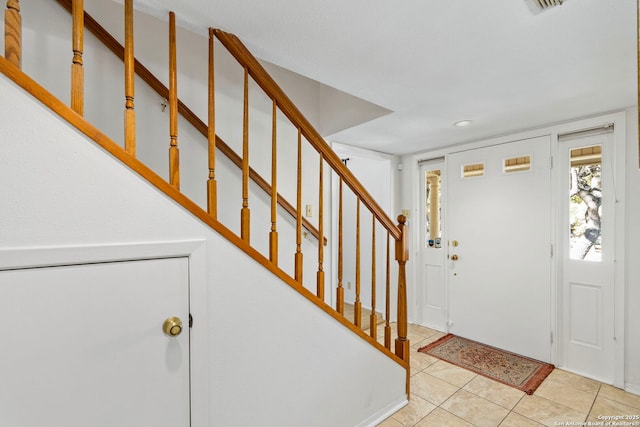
(309, 211)
(348, 285)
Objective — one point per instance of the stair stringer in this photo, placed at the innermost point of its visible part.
(273, 356)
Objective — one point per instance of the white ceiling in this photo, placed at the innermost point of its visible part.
(433, 63)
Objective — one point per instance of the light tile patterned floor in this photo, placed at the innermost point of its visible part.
(445, 395)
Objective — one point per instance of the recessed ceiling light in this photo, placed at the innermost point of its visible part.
(462, 123)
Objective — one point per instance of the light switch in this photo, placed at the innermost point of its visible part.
(309, 211)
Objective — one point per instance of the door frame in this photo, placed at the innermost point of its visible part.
(411, 196)
(194, 250)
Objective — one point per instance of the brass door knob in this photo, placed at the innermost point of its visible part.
(172, 326)
(454, 257)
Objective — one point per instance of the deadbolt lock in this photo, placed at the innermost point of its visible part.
(454, 243)
(172, 326)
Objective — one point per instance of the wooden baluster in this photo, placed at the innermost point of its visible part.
(129, 70)
(245, 213)
(13, 33)
(357, 306)
(174, 152)
(402, 255)
(373, 319)
(298, 257)
(273, 235)
(320, 274)
(340, 290)
(77, 71)
(212, 186)
(387, 310)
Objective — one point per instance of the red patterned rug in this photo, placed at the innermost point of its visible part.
(508, 368)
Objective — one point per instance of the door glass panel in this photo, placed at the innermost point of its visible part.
(585, 204)
(433, 230)
(517, 164)
(472, 170)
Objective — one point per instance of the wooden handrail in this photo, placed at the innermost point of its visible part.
(143, 72)
(83, 126)
(271, 88)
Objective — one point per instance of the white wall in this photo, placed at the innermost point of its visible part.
(273, 357)
(632, 277)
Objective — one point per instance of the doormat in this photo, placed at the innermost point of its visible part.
(508, 368)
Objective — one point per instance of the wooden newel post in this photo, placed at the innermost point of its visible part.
(402, 255)
(13, 33)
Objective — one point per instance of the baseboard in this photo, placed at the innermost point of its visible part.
(384, 413)
(632, 388)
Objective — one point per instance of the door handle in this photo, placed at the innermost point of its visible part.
(172, 326)
(454, 257)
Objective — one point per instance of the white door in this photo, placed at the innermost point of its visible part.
(83, 345)
(499, 247)
(431, 292)
(587, 227)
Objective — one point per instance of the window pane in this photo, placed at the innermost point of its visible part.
(517, 164)
(476, 169)
(432, 209)
(585, 204)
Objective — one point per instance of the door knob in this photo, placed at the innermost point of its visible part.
(172, 326)
(454, 257)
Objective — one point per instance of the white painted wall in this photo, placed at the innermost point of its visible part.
(632, 276)
(273, 357)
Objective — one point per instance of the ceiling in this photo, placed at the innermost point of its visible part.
(433, 63)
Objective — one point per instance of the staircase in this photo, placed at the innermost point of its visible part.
(256, 205)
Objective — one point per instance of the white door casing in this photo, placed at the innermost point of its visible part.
(85, 345)
(499, 287)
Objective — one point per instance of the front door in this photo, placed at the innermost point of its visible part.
(499, 246)
(83, 345)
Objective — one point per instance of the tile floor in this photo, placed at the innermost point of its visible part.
(445, 395)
